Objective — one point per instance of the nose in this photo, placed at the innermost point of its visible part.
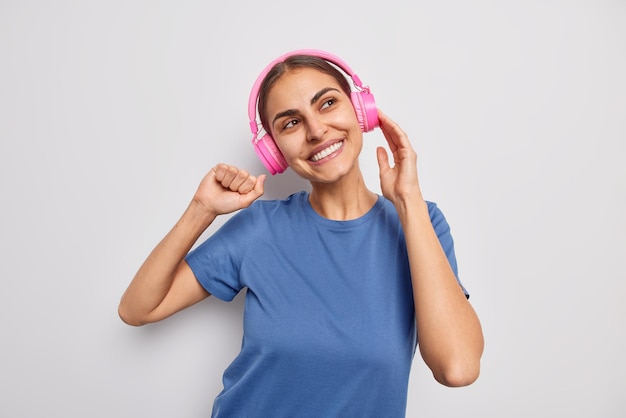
(315, 129)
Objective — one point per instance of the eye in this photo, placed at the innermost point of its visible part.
(327, 103)
(290, 123)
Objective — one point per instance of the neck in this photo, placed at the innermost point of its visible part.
(346, 199)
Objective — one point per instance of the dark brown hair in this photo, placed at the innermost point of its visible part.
(295, 62)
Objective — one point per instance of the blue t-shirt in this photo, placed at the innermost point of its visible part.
(329, 327)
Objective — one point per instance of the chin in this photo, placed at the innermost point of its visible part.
(328, 173)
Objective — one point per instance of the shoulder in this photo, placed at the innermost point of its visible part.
(289, 203)
(264, 211)
(437, 218)
(433, 208)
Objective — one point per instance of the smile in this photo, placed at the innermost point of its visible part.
(326, 151)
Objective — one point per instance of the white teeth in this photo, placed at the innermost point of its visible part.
(327, 151)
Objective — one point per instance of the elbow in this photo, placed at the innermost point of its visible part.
(458, 374)
(128, 318)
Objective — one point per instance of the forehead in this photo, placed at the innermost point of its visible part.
(298, 85)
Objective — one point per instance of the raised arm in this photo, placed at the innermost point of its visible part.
(449, 332)
(164, 284)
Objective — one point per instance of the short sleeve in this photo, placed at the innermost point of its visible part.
(216, 262)
(442, 229)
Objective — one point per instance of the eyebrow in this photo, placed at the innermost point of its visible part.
(315, 98)
(321, 93)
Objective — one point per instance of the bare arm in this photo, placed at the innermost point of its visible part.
(164, 284)
(450, 336)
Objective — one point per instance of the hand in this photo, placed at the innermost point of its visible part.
(227, 188)
(400, 181)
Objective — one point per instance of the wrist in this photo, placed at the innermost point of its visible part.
(409, 200)
(198, 214)
(410, 206)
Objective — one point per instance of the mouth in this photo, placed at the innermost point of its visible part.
(330, 150)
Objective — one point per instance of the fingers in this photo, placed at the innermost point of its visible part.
(256, 192)
(395, 136)
(237, 180)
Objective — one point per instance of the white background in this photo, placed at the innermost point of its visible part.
(112, 111)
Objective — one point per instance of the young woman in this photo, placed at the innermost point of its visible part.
(342, 284)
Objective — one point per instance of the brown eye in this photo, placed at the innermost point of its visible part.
(290, 124)
(328, 103)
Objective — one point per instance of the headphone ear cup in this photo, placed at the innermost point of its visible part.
(365, 108)
(269, 154)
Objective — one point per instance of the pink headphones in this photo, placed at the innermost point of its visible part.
(362, 101)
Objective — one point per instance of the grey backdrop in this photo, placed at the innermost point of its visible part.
(111, 112)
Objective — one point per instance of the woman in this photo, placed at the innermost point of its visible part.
(341, 283)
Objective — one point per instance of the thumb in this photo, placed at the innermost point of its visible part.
(383, 159)
(256, 192)
(259, 187)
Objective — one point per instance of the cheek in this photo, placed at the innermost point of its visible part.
(288, 148)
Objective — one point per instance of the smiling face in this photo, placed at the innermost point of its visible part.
(314, 124)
